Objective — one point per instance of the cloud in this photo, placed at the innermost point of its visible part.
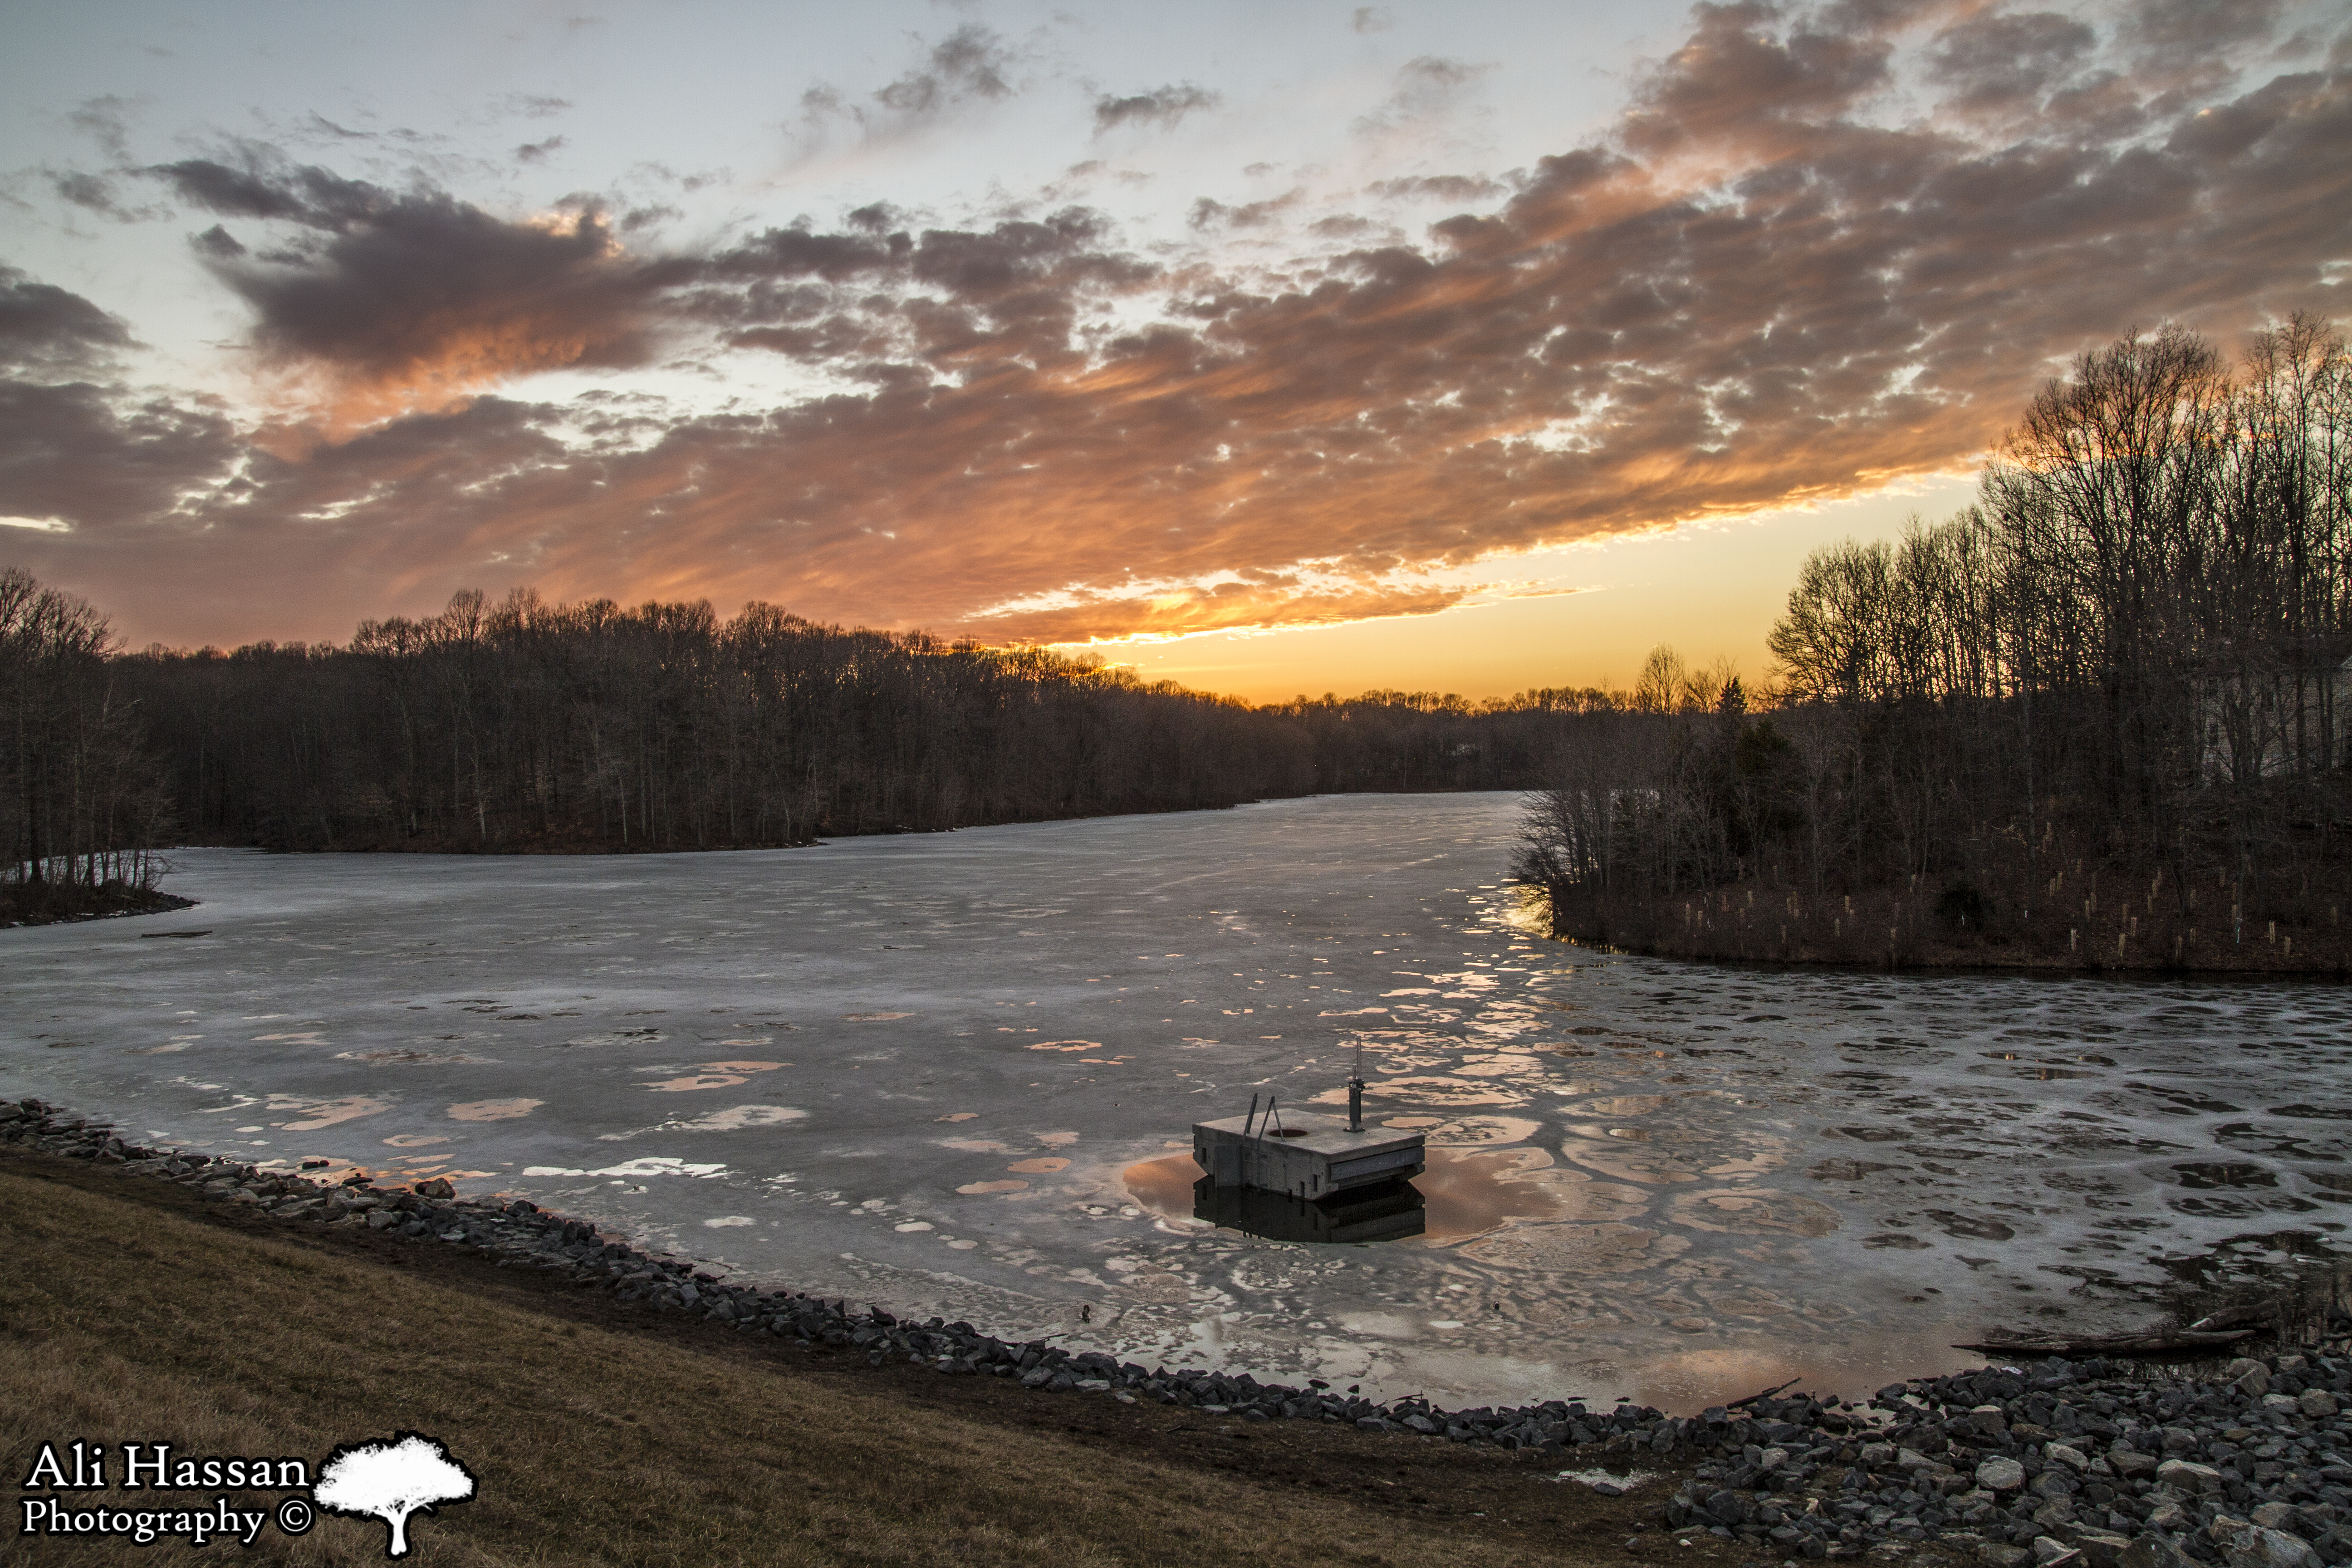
(970, 66)
(2007, 62)
(1749, 293)
(970, 63)
(106, 121)
(413, 299)
(44, 327)
(1735, 74)
(1425, 87)
(1456, 188)
(538, 151)
(262, 184)
(94, 192)
(1208, 213)
(317, 127)
(105, 465)
(532, 105)
(1162, 106)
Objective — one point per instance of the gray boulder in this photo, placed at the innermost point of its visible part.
(2254, 1547)
(1998, 1475)
(2099, 1548)
(2188, 1476)
(2152, 1550)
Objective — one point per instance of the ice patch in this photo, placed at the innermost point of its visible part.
(1038, 1167)
(646, 1037)
(733, 1118)
(1598, 1479)
(403, 1054)
(736, 1116)
(974, 1189)
(651, 1165)
(725, 1220)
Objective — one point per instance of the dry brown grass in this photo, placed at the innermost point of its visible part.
(130, 1313)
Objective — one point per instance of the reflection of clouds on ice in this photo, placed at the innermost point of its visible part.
(1752, 1210)
(494, 1109)
(713, 1075)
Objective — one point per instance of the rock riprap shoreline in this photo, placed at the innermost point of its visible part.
(2095, 1462)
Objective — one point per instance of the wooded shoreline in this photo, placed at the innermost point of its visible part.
(1905, 929)
(2102, 719)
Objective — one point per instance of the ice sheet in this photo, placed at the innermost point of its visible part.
(915, 1069)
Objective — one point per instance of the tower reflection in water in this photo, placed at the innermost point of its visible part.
(1391, 1211)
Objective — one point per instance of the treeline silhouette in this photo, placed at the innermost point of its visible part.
(80, 796)
(2099, 717)
(524, 726)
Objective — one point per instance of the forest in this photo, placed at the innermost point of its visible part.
(522, 726)
(2102, 718)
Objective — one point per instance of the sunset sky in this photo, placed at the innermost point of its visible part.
(1465, 347)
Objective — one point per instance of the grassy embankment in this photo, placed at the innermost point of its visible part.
(133, 1313)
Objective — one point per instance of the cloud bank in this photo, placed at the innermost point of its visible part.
(1820, 251)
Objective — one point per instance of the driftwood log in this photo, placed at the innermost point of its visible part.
(1759, 1398)
(2235, 1317)
(2112, 1344)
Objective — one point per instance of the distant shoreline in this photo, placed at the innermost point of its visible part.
(1912, 928)
(44, 904)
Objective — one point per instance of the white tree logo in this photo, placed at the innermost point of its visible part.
(390, 1481)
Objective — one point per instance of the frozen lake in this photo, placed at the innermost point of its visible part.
(955, 1074)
